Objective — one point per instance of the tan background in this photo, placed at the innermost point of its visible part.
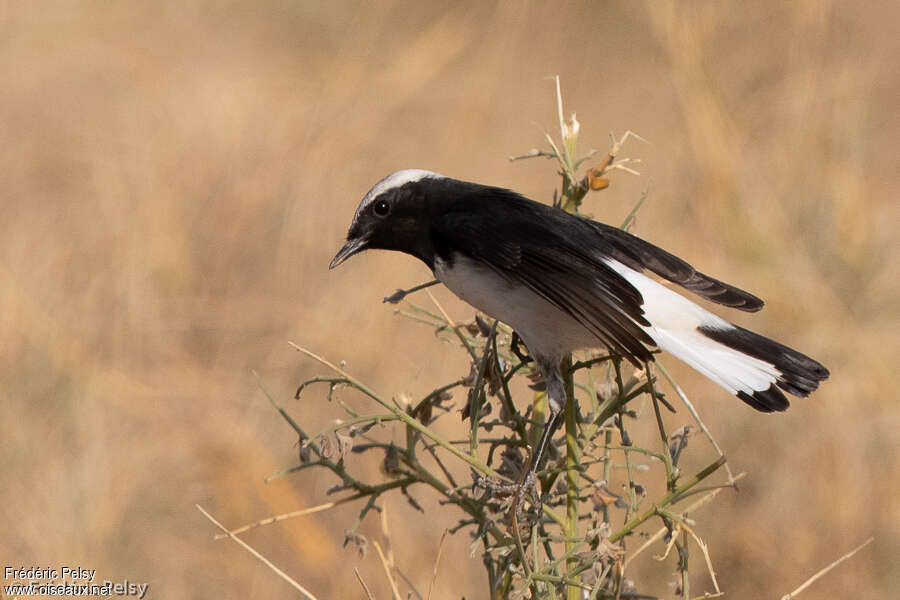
(175, 179)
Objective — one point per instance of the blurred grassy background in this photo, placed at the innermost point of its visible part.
(176, 178)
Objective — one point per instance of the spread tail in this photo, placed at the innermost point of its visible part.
(752, 367)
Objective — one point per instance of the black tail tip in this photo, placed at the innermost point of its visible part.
(767, 401)
(799, 375)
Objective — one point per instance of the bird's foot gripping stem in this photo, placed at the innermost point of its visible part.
(527, 487)
(528, 482)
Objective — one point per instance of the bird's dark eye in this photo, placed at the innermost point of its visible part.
(382, 208)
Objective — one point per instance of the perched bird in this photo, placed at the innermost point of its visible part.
(564, 283)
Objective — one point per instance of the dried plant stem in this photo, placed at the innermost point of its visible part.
(363, 584)
(824, 571)
(454, 326)
(387, 571)
(262, 558)
(681, 523)
(437, 561)
(290, 515)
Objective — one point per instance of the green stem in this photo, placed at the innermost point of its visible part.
(376, 419)
(408, 420)
(671, 471)
(572, 584)
(573, 461)
(478, 394)
(670, 498)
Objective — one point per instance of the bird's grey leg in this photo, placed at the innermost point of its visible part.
(515, 346)
(556, 401)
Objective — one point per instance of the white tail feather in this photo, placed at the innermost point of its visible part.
(673, 326)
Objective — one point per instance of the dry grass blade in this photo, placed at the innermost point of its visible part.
(386, 531)
(363, 584)
(671, 544)
(454, 326)
(705, 550)
(437, 561)
(262, 558)
(388, 560)
(387, 571)
(824, 571)
(285, 516)
(391, 563)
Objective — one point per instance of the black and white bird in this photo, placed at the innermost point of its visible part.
(564, 283)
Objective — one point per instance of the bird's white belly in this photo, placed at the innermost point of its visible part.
(545, 329)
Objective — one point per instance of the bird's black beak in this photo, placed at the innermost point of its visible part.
(353, 246)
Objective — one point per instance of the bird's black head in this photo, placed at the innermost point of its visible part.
(394, 215)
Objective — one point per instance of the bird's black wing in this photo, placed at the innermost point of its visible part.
(638, 254)
(544, 251)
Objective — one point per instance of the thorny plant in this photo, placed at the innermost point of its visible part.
(576, 539)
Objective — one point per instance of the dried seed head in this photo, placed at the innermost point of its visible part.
(305, 452)
(345, 444)
(396, 297)
(327, 448)
(391, 463)
(358, 541)
(603, 496)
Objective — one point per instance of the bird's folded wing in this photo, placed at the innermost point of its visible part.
(638, 254)
(532, 253)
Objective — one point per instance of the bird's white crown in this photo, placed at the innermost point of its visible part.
(394, 180)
